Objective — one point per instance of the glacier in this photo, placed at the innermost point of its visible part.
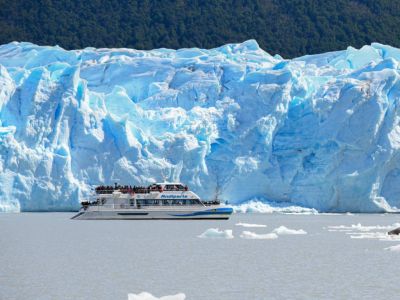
(234, 123)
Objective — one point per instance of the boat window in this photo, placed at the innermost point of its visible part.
(180, 187)
(154, 187)
(196, 202)
(175, 187)
(146, 202)
(169, 187)
(141, 202)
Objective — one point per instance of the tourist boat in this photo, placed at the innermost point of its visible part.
(167, 200)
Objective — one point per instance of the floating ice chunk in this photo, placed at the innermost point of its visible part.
(363, 228)
(378, 235)
(282, 230)
(215, 233)
(255, 236)
(340, 230)
(395, 248)
(358, 231)
(248, 225)
(368, 235)
(148, 296)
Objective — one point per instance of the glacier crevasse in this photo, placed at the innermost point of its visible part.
(234, 123)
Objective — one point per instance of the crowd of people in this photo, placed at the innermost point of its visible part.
(125, 189)
(109, 189)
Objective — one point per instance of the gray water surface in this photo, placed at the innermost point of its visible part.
(49, 256)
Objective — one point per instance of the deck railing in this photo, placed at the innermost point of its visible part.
(127, 206)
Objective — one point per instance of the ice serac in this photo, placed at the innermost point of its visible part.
(234, 123)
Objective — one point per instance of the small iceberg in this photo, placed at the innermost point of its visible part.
(282, 230)
(369, 235)
(249, 225)
(359, 231)
(255, 236)
(148, 296)
(215, 233)
(395, 248)
(360, 227)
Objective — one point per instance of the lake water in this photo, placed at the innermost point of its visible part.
(49, 256)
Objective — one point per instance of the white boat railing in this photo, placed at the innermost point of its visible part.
(156, 206)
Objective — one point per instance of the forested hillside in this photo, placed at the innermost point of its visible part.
(288, 27)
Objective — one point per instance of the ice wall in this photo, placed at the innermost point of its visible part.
(233, 122)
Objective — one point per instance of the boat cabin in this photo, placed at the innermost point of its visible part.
(162, 194)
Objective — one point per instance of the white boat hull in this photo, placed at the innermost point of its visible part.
(206, 213)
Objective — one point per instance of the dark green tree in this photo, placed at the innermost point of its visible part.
(288, 27)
